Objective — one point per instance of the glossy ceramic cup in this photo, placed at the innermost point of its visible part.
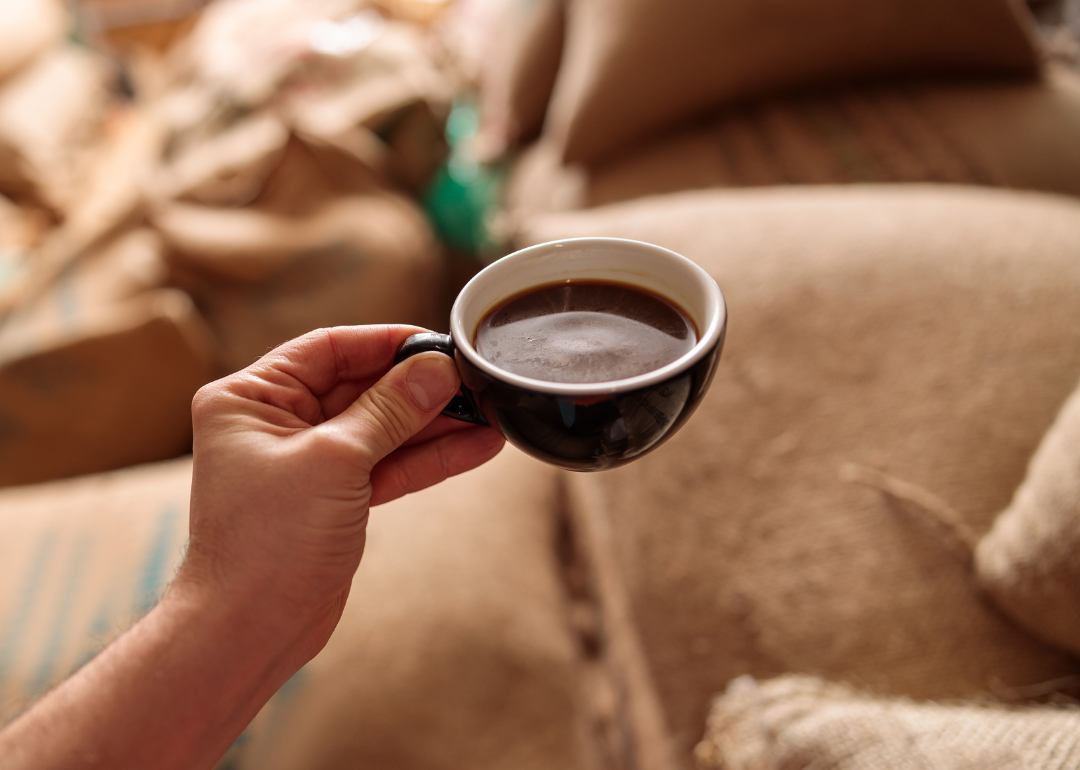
(583, 426)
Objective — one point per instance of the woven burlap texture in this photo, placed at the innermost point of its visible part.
(795, 722)
(1030, 561)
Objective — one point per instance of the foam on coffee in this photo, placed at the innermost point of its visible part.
(584, 331)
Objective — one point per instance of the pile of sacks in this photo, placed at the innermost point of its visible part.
(259, 185)
(608, 102)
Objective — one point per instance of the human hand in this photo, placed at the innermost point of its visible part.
(289, 455)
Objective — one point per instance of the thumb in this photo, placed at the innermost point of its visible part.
(400, 404)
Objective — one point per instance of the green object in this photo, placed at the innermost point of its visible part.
(464, 196)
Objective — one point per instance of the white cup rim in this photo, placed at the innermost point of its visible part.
(710, 330)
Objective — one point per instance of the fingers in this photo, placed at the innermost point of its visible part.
(417, 467)
(398, 406)
(321, 359)
(437, 428)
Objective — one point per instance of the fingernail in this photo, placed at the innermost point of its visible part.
(431, 380)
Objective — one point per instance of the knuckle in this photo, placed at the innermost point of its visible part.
(332, 444)
(205, 403)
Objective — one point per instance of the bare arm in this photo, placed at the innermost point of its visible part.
(289, 455)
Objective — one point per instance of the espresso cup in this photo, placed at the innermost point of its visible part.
(582, 426)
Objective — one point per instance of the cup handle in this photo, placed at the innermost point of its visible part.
(461, 407)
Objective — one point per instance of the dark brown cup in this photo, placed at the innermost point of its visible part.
(583, 426)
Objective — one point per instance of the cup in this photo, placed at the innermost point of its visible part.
(582, 426)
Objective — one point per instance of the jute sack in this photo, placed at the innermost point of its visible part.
(262, 278)
(518, 74)
(103, 389)
(1000, 133)
(227, 169)
(329, 72)
(51, 117)
(455, 649)
(80, 560)
(799, 722)
(1029, 562)
(915, 338)
(633, 68)
(27, 29)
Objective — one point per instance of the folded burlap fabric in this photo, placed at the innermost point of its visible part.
(631, 68)
(1030, 561)
(797, 722)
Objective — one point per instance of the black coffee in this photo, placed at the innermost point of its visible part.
(584, 331)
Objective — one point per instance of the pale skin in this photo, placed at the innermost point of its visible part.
(290, 454)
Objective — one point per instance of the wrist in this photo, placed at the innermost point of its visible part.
(252, 620)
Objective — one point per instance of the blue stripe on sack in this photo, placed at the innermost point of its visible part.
(16, 626)
(61, 618)
(152, 577)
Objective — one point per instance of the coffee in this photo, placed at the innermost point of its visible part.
(584, 331)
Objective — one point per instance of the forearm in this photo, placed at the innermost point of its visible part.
(173, 692)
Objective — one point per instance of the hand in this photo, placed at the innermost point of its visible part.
(289, 455)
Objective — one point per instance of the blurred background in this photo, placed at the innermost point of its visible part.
(885, 190)
(188, 184)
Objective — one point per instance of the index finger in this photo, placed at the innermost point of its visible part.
(325, 357)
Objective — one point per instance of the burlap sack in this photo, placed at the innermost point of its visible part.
(50, 119)
(111, 200)
(383, 102)
(262, 278)
(1030, 560)
(27, 29)
(455, 649)
(999, 133)
(80, 560)
(228, 169)
(799, 722)
(633, 68)
(921, 333)
(106, 388)
(518, 74)
(336, 76)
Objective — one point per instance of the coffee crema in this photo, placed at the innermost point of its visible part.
(584, 332)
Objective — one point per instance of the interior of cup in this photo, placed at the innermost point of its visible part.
(634, 263)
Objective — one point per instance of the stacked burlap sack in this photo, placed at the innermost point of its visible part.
(265, 174)
(1029, 563)
(647, 98)
(895, 357)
